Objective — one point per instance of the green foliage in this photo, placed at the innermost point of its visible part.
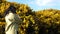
(50, 20)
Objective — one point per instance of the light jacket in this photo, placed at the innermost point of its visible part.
(12, 21)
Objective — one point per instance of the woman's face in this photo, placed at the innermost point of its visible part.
(10, 11)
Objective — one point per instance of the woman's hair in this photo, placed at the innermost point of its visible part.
(10, 9)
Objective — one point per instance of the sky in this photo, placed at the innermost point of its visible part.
(39, 4)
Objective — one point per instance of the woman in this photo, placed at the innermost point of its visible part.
(12, 20)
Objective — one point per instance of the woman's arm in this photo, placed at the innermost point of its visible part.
(18, 20)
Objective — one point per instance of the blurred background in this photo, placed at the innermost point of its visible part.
(45, 21)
